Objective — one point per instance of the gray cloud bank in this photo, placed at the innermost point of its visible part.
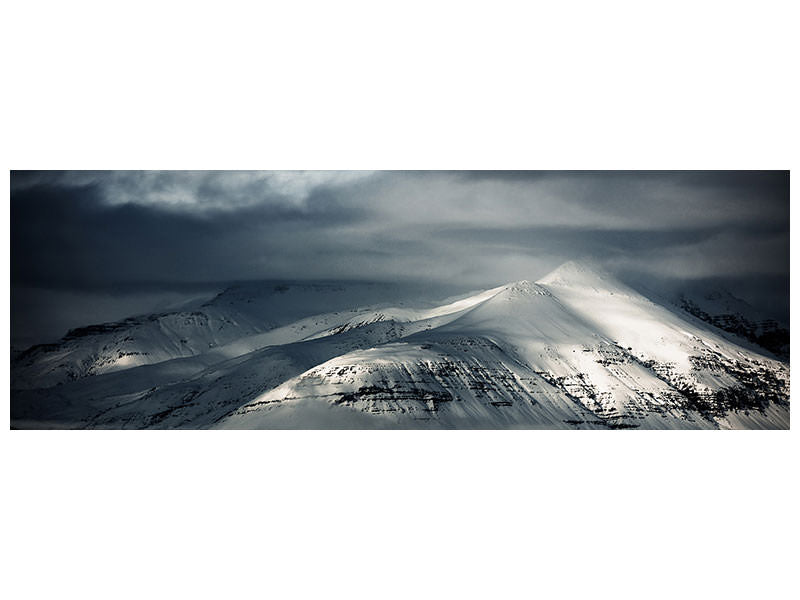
(111, 230)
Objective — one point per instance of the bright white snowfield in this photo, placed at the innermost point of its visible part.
(575, 350)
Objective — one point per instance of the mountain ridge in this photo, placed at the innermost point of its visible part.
(575, 349)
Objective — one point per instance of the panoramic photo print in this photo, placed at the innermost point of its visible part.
(400, 300)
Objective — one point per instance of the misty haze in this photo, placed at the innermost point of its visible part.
(400, 300)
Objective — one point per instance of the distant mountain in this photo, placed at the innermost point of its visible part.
(229, 323)
(577, 349)
(729, 313)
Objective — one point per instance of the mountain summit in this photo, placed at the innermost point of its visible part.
(582, 274)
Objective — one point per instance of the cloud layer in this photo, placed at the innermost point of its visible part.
(74, 229)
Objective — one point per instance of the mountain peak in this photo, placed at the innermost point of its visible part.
(580, 273)
(584, 275)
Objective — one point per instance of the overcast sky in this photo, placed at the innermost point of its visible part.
(75, 232)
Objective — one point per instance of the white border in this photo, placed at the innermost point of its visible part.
(615, 85)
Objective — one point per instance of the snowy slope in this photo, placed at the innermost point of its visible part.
(157, 394)
(241, 319)
(712, 303)
(733, 315)
(577, 349)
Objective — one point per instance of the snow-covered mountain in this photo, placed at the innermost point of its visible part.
(577, 349)
(226, 325)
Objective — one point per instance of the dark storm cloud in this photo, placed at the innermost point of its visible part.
(72, 236)
(103, 230)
